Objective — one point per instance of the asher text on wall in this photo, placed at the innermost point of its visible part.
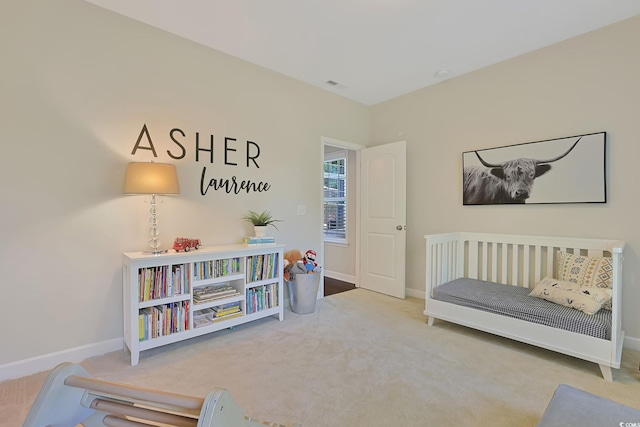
(232, 153)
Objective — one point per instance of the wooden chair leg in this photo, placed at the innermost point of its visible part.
(607, 374)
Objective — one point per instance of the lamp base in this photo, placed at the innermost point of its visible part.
(156, 251)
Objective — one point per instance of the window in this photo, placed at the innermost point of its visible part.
(335, 196)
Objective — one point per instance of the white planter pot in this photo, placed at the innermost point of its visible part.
(260, 230)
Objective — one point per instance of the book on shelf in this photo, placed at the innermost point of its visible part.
(258, 240)
(209, 293)
(226, 309)
(162, 320)
(262, 298)
(262, 267)
(228, 316)
(226, 306)
(216, 268)
(210, 315)
(162, 281)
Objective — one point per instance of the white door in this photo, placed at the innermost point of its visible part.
(383, 218)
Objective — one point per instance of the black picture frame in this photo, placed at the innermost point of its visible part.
(562, 170)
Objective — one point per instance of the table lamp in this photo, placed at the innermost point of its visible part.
(155, 179)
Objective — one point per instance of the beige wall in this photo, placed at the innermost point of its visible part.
(587, 84)
(77, 83)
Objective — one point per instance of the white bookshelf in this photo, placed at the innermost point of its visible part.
(156, 285)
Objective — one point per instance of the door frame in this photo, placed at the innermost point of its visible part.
(324, 140)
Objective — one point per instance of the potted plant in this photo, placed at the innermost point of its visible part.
(260, 222)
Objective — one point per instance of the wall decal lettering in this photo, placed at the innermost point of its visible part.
(231, 185)
(231, 154)
(144, 132)
(252, 150)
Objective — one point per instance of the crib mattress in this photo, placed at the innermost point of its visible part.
(514, 301)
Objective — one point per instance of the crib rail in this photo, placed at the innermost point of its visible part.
(521, 261)
(509, 259)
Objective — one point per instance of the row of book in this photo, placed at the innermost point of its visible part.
(217, 314)
(163, 281)
(162, 320)
(216, 268)
(258, 240)
(262, 297)
(262, 267)
(205, 294)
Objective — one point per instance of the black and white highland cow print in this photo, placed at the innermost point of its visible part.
(504, 183)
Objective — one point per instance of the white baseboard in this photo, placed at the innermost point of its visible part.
(632, 343)
(340, 276)
(31, 366)
(414, 293)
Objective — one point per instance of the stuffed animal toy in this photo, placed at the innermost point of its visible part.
(291, 259)
(309, 261)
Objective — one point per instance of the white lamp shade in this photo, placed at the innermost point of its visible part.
(151, 178)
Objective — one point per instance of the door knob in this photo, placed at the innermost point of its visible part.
(399, 227)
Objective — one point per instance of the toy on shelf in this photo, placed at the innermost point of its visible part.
(186, 244)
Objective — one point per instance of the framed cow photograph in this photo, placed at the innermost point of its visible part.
(562, 170)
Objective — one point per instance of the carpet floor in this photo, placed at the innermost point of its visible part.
(361, 359)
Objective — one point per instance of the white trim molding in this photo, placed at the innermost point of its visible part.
(33, 365)
(410, 292)
(632, 343)
(340, 276)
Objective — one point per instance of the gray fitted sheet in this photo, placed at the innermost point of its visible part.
(514, 301)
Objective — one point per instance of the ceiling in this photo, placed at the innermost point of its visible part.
(375, 50)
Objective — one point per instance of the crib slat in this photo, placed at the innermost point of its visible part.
(484, 261)
(505, 258)
(538, 264)
(431, 263)
(437, 261)
(515, 264)
(526, 266)
(473, 259)
(441, 273)
(550, 256)
(594, 253)
(453, 256)
(494, 261)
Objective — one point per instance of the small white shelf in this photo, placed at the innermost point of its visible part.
(268, 256)
(216, 280)
(163, 301)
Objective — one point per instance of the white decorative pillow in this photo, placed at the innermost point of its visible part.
(588, 299)
(585, 271)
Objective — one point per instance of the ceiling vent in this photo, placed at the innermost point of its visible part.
(336, 84)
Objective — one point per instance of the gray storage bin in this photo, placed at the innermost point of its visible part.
(303, 292)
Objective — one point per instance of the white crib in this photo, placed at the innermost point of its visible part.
(521, 261)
